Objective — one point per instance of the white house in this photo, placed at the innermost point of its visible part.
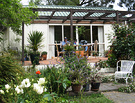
(57, 22)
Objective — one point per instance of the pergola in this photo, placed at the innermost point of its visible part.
(78, 14)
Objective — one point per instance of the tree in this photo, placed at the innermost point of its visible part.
(97, 3)
(93, 3)
(129, 4)
(62, 2)
(36, 2)
(12, 14)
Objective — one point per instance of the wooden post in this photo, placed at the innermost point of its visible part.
(71, 24)
(117, 17)
(22, 43)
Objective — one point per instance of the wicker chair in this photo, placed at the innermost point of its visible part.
(124, 70)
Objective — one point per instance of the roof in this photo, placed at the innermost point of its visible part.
(80, 13)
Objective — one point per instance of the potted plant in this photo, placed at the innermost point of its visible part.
(80, 51)
(35, 38)
(44, 55)
(86, 74)
(69, 48)
(95, 78)
(76, 67)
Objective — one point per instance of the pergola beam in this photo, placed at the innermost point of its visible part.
(50, 16)
(67, 17)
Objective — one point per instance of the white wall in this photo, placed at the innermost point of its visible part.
(48, 31)
(37, 27)
(11, 39)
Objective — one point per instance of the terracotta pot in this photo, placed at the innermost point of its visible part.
(44, 57)
(95, 86)
(76, 87)
(80, 53)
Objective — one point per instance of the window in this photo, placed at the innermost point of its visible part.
(58, 33)
(84, 33)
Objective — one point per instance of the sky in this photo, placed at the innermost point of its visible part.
(116, 7)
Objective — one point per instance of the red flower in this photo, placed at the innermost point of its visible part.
(38, 72)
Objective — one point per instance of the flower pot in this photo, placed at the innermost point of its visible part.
(86, 87)
(34, 58)
(44, 57)
(76, 87)
(80, 53)
(95, 86)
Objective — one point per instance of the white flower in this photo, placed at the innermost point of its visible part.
(18, 90)
(38, 88)
(7, 86)
(35, 86)
(1, 91)
(41, 81)
(45, 89)
(25, 83)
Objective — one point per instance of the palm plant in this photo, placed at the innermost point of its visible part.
(35, 39)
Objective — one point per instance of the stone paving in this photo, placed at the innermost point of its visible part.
(110, 90)
(104, 87)
(119, 97)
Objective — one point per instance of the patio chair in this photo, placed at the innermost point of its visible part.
(86, 53)
(58, 52)
(95, 47)
(124, 70)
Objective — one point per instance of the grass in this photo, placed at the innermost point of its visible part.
(94, 98)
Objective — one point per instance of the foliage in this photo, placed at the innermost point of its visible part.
(93, 3)
(128, 89)
(44, 53)
(69, 48)
(9, 67)
(95, 53)
(102, 64)
(13, 14)
(93, 98)
(26, 91)
(129, 4)
(95, 75)
(123, 44)
(81, 31)
(36, 2)
(63, 2)
(57, 79)
(35, 38)
(107, 79)
(76, 68)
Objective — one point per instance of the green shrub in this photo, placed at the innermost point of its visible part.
(56, 77)
(123, 43)
(9, 67)
(128, 89)
(44, 53)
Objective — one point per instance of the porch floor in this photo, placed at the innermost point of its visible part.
(56, 60)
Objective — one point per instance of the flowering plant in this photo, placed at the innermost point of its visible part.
(26, 91)
(95, 75)
(76, 67)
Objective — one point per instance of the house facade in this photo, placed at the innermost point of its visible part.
(56, 23)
